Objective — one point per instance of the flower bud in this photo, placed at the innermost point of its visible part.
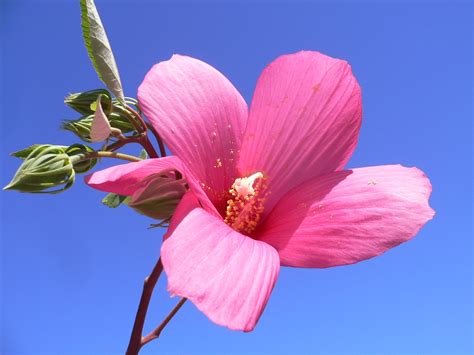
(77, 152)
(45, 168)
(84, 102)
(159, 195)
(82, 126)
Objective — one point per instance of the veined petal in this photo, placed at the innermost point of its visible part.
(304, 121)
(125, 179)
(228, 276)
(348, 216)
(201, 117)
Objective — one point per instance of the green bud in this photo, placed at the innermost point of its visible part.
(120, 121)
(159, 195)
(84, 102)
(45, 168)
(77, 152)
(82, 127)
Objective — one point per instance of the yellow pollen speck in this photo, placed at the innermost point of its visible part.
(246, 204)
(218, 163)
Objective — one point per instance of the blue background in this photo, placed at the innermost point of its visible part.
(72, 269)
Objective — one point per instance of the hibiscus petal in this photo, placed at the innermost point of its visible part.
(304, 121)
(227, 275)
(186, 205)
(348, 216)
(125, 179)
(201, 117)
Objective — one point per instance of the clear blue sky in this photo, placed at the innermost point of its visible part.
(72, 269)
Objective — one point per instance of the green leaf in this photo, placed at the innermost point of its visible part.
(113, 200)
(99, 49)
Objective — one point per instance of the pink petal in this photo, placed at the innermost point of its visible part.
(228, 276)
(126, 179)
(186, 205)
(348, 216)
(201, 117)
(100, 129)
(304, 120)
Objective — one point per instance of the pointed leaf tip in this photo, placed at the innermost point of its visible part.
(99, 50)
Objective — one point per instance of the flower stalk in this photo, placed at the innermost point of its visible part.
(106, 154)
(157, 331)
(149, 284)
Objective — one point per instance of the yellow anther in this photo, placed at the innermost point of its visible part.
(246, 205)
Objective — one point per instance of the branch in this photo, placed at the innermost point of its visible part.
(157, 331)
(136, 338)
(158, 139)
(146, 144)
(104, 154)
(122, 142)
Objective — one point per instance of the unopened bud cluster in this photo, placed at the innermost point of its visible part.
(86, 104)
(50, 168)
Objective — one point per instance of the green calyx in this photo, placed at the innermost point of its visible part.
(119, 117)
(84, 102)
(78, 154)
(82, 126)
(50, 168)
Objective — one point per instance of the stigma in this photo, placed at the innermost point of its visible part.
(246, 203)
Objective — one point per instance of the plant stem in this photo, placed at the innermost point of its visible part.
(139, 118)
(158, 139)
(136, 338)
(157, 331)
(103, 154)
(141, 127)
(122, 142)
(146, 144)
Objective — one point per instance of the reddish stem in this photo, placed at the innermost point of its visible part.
(122, 142)
(158, 139)
(146, 144)
(157, 331)
(139, 118)
(136, 338)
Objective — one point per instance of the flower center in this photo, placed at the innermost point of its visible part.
(246, 204)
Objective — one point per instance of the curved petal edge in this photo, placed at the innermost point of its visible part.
(348, 216)
(227, 275)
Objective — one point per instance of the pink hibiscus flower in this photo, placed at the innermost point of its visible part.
(267, 187)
